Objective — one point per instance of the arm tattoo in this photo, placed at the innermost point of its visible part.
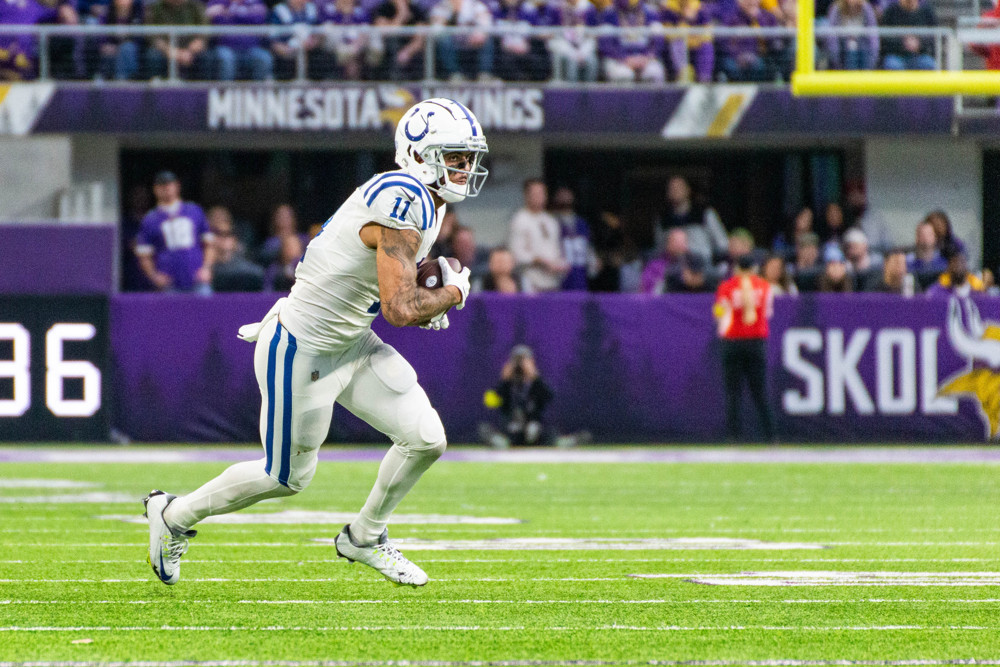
(403, 302)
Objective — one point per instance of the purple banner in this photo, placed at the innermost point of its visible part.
(627, 368)
(666, 113)
(779, 112)
(57, 259)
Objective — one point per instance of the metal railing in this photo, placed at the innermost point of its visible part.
(948, 43)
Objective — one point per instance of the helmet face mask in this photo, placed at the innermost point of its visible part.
(432, 130)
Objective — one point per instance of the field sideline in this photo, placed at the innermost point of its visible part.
(599, 556)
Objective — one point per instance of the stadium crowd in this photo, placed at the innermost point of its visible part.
(551, 247)
(495, 45)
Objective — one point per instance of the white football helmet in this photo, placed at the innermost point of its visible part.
(428, 131)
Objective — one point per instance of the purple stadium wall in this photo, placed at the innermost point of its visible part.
(57, 258)
(627, 368)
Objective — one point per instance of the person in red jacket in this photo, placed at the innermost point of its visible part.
(743, 306)
(991, 19)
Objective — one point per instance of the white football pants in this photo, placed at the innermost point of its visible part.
(298, 389)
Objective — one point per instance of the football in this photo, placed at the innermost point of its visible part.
(429, 272)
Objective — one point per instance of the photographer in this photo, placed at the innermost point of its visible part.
(521, 398)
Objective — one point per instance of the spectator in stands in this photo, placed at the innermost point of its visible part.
(926, 258)
(449, 223)
(748, 58)
(189, 52)
(232, 271)
(174, 245)
(92, 12)
(352, 50)
(785, 242)
(220, 219)
(280, 275)
(138, 200)
(833, 225)
(65, 50)
(990, 283)
(692, 58)
(471, 53)
(659, 269)
(19, 52)
(909, 51)
(956, 279)
(870, 221)
(857, 51)
(575, 239)
(283, 223)
(575, 52)
(741, 243)
(404, 54)
(991, 52)
(120, 56)
(807, 268)
(894, 278)
(861, 261)
(943, 232)
(836, 277)
(501, 275)
(618, 267)
(298, 16)
(705, 232)
(775, 271)
(465, 250)
(783, 50)
(631, 57)
(693, 278)
(536, 241)
(522, 57)
(240, 56)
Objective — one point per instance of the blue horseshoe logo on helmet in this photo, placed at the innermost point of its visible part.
(418, 137)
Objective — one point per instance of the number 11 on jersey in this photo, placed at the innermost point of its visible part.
(395, 209)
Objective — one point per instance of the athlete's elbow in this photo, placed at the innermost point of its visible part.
(397, 317)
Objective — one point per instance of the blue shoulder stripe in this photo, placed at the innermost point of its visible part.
(427, 208)
(398, 174)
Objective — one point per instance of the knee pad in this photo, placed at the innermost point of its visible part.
(432, 441)
(303, 467)
(425, 437)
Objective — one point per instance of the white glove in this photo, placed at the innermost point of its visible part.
(437, 323)
(459, 279)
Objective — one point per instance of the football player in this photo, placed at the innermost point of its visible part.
(316, 346)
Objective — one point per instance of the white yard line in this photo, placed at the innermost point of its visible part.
(836, 579)
(656, 601)
(507, 663)
(542, 557)
(593, 455)
(498, 628)
(417, 546)
(298, 581)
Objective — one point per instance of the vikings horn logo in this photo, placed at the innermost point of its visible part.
(395, 102)
(980, 344)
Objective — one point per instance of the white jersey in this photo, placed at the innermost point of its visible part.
(335, 297)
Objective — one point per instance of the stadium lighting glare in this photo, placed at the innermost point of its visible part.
(806, 81)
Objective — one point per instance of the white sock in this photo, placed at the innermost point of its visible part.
(239, 486)
(400, 470)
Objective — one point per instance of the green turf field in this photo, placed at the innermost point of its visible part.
(890, 562)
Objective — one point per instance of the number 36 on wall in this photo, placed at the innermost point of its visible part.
(57, 370)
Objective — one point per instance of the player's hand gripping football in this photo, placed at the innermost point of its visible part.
(437, 323)
(459, 279)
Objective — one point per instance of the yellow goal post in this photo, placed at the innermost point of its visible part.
(806, 81)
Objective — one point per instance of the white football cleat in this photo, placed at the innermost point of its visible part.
(165, 546)
(383, 556)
